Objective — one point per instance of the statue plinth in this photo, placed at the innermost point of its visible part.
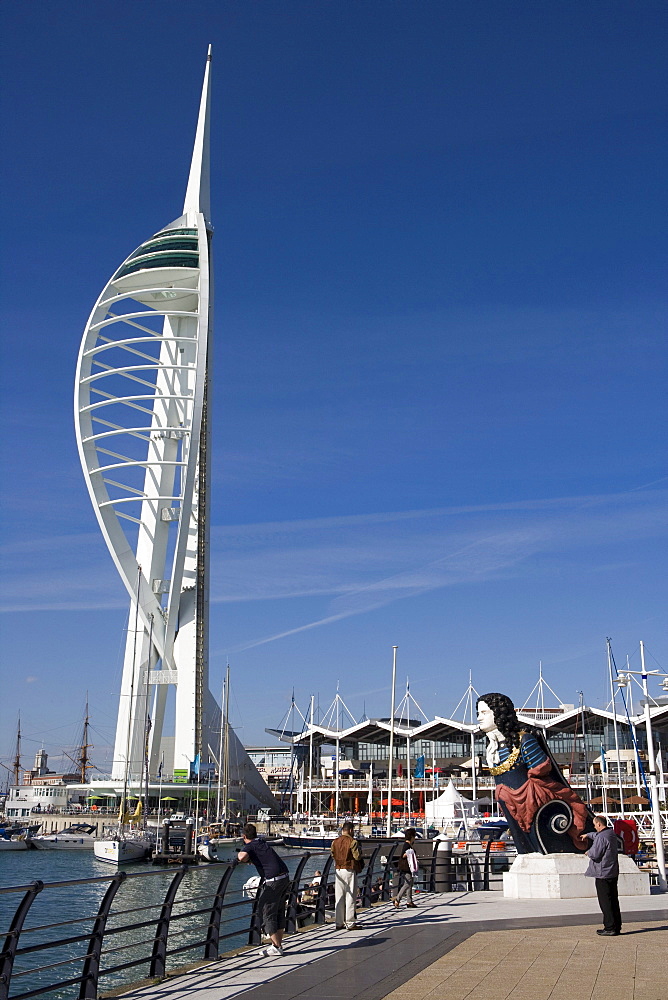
(562, 876)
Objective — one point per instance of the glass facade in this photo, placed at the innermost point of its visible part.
(455, 747)
(599, 733)
(182, 259)
(175, 232)
(172, 248)
(167, 244)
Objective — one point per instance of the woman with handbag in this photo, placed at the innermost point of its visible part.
(407, 866)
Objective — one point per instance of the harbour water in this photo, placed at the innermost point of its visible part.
(138, 899)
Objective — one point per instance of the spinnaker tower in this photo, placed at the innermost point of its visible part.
(142, 417)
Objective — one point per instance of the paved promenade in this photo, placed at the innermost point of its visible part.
(454, 946)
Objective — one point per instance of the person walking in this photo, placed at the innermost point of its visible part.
(407, 866)
(604, 867)
(347, 858)
(273, 889)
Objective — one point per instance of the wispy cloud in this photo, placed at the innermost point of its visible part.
(360, 562)
(475, 545)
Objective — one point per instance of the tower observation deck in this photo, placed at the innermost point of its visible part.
(143, 431)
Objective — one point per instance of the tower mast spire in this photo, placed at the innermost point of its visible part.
(198, 198)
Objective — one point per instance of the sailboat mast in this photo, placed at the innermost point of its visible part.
(132, 698)
(220, 749)
(226, 745)
(17, 757)
(84, 759)
(147, 723)
(310, 767)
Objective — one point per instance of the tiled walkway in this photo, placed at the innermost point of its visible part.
(454, 946)
(558, 963)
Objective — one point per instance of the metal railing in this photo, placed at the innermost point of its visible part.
(114, 928)
(152, 932)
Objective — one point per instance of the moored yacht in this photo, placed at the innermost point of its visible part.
(313, 838)
(127, 846)
(77, 837)
(13, 839)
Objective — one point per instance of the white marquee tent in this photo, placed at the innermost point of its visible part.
(450, 805)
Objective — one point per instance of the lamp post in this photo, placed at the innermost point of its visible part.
(389, 784)
(623, 681)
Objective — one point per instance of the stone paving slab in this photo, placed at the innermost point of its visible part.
(557, 963)
(455, 945)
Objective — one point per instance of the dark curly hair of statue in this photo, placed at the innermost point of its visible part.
(505, 716)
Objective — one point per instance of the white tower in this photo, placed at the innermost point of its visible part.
(142, 426)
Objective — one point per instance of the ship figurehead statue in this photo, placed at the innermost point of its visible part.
(545, 815)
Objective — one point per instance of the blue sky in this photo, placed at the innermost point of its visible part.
(440, 359)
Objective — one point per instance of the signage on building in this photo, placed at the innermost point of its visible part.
(181, 776)
(274, 771)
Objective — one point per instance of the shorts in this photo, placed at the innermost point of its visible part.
(272, 904)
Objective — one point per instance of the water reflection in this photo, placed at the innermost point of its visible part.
(72, 909)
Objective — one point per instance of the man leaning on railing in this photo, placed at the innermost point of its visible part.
(274, 890)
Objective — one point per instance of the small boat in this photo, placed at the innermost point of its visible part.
(492, 830)
(12, 840)
(128, 846)
(77, 837)
(13, 844)
(313, 838)
(220, 848)
(212, 845)
(15, 837)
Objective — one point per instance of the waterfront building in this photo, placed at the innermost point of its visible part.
(275, 765)
(40, 773)
(42, 791)
(594, 748)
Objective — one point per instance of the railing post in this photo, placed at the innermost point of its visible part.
(386, 891)
(485, 881)
(469, 873)
(368, 881)
(12, 940)
(91, 967)
(323, 891)
(445, 866)
(159, 954)
(293, 898)
(213, 931)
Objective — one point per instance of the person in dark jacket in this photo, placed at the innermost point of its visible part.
(604, 867)
(274, 889)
